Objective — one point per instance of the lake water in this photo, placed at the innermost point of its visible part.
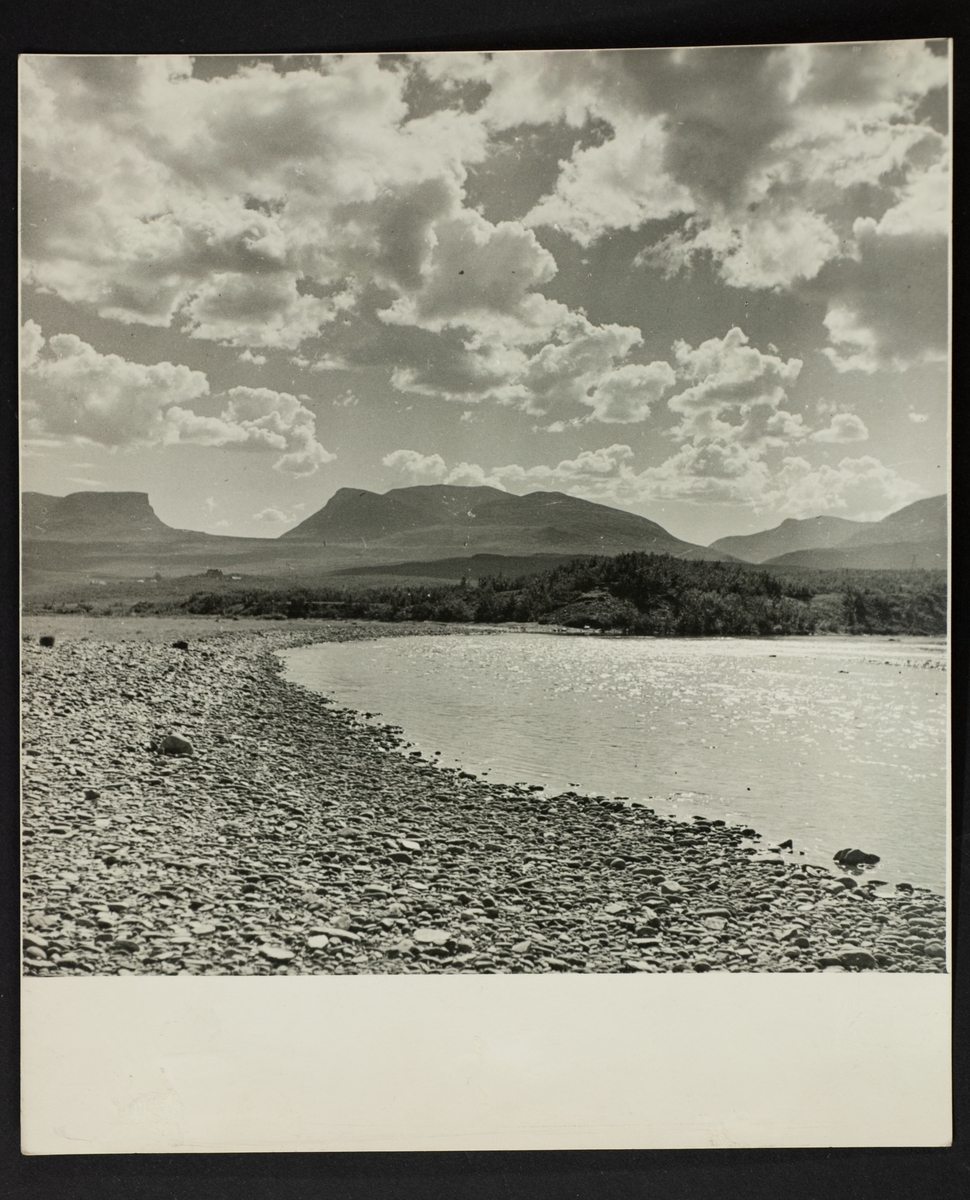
(833, 742)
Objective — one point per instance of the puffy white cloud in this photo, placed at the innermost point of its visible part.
(862, 488)
(843, 427)
(730, 377)
(575, 358)
(620, 184)
(245, 206)
(724, 473)
(770, 153)
(72, 392)
(773, 249)
(589, 465)
(247, 310)
(478, 275)
(276, 421)
(626, 394)
(422, 468)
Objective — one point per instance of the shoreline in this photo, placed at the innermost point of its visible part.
(299, 838)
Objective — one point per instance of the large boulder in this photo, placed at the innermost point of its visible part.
(853, 858)
(173, 744)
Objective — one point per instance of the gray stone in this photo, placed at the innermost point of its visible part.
(277, 953)
(854, 956)
(431, 937)
(173, 744)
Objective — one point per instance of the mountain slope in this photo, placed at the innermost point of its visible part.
(924, 522)
(880, 556)
(441, 520)
(914, 536)
(791, 535)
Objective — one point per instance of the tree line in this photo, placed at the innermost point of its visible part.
(635, 593)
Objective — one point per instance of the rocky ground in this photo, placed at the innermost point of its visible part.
(298, 838)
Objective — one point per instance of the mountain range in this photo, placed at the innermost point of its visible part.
(914, 536)
(119, 535)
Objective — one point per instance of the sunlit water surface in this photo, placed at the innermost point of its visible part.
(832, 742)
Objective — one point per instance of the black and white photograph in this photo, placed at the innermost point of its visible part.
(486, 513)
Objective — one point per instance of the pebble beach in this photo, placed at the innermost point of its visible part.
(187, 811)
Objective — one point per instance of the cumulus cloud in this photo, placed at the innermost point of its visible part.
(766, 155)
(569, 359)
(843, 427)
(620, 184)
(589, 465)
(243, 207)
(72, 392)
(421, 468)
(626, 394)
(861, 488)
(733, 446)
(731, 379)
(305, 207)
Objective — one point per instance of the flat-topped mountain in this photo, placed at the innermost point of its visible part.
(439, 518)
(95, 517)
(914, 536)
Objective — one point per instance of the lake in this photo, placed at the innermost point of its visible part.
(833, 742)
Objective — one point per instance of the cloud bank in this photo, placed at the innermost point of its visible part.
(72, 393)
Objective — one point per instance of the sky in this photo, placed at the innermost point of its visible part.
(708, 286)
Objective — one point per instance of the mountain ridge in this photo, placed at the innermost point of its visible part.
(449, 520)
(917, 531)
(119, 533)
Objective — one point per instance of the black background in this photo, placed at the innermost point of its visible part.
(201, 27)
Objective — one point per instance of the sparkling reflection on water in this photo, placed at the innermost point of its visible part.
(832, 742)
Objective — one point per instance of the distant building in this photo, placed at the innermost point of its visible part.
(213, 573)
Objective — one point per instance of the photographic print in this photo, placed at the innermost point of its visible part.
(486, 513)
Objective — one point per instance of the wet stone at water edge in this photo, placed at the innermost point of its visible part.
(272, 834)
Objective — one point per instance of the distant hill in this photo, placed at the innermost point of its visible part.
(789, 536)
(439, 520)
(914, 536)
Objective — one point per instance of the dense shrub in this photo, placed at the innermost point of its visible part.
(630, 593)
